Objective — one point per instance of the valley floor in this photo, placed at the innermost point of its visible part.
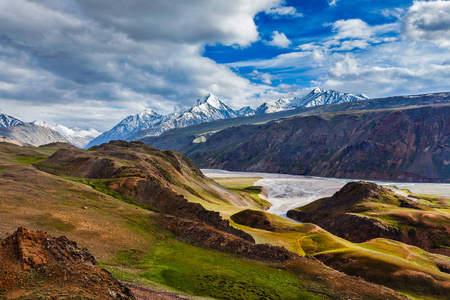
(287, 192)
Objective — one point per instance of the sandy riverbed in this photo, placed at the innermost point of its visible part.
(286, 192)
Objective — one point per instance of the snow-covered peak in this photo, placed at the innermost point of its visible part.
(320, 96)
(317, 90)
(8, 121)
(245, 111)
(362, 96)
(148, 113)
(317, 96)
(212, 101)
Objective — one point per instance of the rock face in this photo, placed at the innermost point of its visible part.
(361, 211)
(36, 262)
(400, 144)
(206, 236)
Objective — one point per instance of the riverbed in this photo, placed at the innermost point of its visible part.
(286, 192)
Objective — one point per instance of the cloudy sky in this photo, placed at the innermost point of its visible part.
(90, 63)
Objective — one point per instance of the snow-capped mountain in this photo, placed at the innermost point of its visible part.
(245, 111)
(211, 108)
(150, 123)
(206, 110)
(8, 121)
(76, 136)
(272, 106)
(131, 124)
(316, 97)
(32, 134)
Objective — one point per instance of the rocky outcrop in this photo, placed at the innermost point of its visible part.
(205, 236)
(358, 213)
(150, 192)
(53, 267)
(253, 218)
(410, 144)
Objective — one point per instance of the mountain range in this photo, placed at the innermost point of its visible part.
(40, 132)
(316, 97)
(211, 108)
(402, 138)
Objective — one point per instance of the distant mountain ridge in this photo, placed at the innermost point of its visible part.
(76, 136)
(316, 97)
(211, 108)
(32, 134)
(400, 144)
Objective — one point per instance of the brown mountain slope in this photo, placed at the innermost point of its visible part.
(410, 144)
(132, 244)
(361, 211)
(138, 172)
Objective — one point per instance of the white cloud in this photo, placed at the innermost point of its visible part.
(398, 68)
(279, 40)
(396, 13)
(353, 28)
(119, 58)
(264, 77)
(284, 11)
(428, 21)
(332, 2)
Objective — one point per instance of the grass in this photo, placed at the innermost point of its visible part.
(244, 186)
(30, 159)
(210, 273)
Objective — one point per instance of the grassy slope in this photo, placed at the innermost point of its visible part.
(429, 213)
(109, 226)
(125, 240)
(245, 187)
(387, 260)
(380, 258)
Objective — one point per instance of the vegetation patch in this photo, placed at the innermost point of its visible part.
(30, 160)
(244, 186)
(214, 274)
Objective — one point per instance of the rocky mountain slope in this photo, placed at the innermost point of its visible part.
(362, 211)
(76, 136)
(408, 144)
(32, 134)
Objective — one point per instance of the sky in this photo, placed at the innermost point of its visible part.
(90, 63)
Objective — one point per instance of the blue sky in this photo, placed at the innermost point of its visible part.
(90, 63)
